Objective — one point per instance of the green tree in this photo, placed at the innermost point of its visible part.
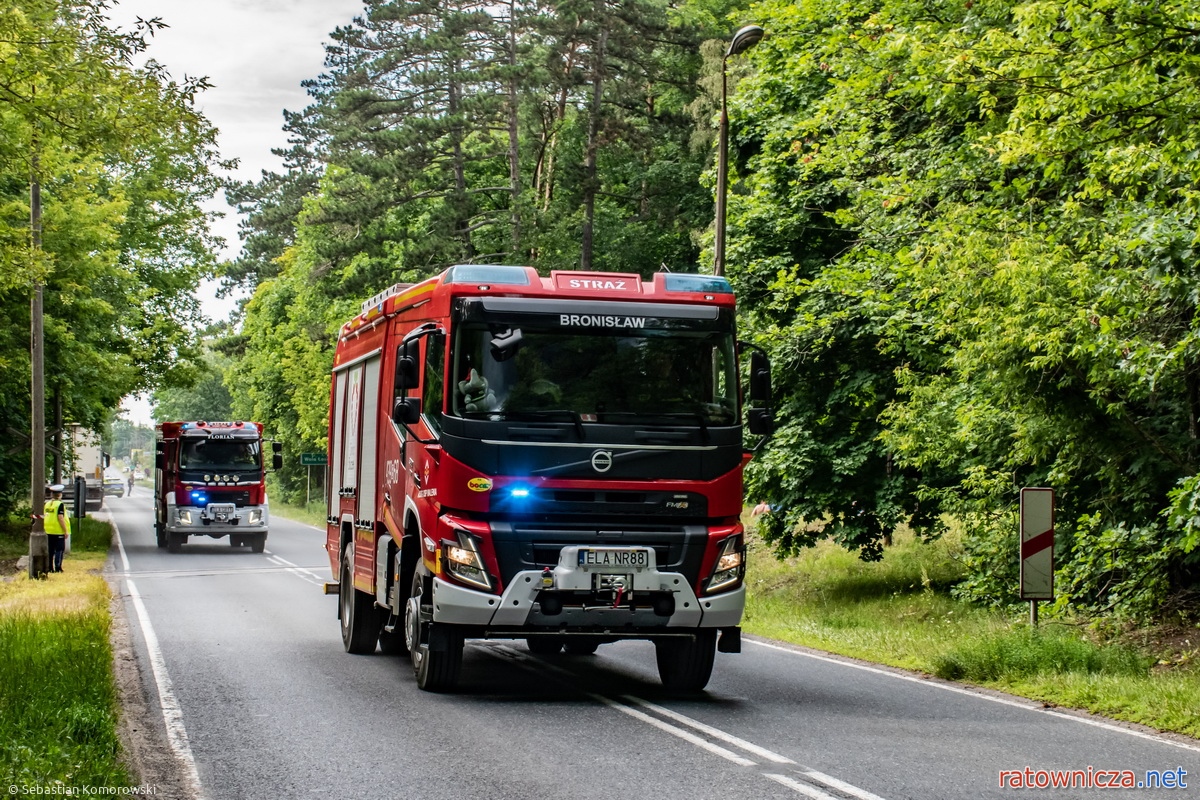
(123, 161)
(981, 256)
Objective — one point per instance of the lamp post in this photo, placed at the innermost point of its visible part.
(743, 40)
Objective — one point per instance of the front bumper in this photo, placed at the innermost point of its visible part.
(217, 520)
(571, 603)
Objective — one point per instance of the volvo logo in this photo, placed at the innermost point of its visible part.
(602, 460)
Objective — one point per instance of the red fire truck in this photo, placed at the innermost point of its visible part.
(554, 459)
(209, 480)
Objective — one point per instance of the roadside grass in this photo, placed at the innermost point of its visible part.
(58, 701)
(899, 612)
(313, 514)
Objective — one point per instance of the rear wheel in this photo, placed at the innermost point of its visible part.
(360, 622)
(685, 665)
(436, 648)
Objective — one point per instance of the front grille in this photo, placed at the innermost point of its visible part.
(526, 546)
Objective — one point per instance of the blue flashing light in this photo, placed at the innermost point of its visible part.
(708, 284)
(200, 498)
(519, 491)
(487, 273)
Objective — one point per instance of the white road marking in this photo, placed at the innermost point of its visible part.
(797, 786)
(841, 786)
(1026, 706)
(525, 661)
(177, 736)
(715, 733)
(302, 572)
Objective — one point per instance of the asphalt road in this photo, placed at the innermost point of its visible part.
(243, 654)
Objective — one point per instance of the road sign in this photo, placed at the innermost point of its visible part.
(313, 460)
(1037, 544)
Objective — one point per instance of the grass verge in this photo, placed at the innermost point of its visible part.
(899, 612)
(58, 701)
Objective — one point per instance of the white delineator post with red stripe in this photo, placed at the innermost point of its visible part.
(1037, 547)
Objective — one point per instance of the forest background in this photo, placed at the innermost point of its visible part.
(965, 231)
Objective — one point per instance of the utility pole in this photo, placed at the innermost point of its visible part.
(39, 546)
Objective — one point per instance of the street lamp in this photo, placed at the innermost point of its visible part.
(743, 40)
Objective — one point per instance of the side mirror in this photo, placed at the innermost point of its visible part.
(760, 421)
(760, 378)
(159, 460)
(406, 411)
(406, 365)
(277, 461)
(277, 447)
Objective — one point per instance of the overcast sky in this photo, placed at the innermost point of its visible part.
(255, 53)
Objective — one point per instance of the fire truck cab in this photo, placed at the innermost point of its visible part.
(557, 460)
(209, 480)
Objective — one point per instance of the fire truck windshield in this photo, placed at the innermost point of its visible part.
(601, 375)
(220, 454)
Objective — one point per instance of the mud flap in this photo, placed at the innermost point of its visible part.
(730, 641)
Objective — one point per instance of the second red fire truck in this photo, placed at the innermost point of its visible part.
(553, 459)
(209, 480)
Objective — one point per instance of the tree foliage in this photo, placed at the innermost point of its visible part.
(971, 233)
(123, 161)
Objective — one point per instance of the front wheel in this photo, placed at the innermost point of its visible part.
(685, 665)
(258, 543)
(436, 648)
(543, 645)
(160, 534)
(581, 646)
(356, 610)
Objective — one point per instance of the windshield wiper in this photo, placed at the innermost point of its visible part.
(548, 415)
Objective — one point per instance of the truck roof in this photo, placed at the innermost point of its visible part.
(204, 429)
(517, 281)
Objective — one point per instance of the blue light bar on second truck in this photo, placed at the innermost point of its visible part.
(709, 284)
(487, 273)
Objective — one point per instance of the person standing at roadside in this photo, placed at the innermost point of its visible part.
(58, 527)
(130, 492)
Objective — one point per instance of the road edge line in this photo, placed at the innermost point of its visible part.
(172, 713)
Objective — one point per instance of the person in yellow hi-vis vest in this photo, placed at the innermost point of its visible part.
(57, 525)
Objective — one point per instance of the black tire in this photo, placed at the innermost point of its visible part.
(392, 642)
(581, 646)
(356, 610)
(160, 535)
(544, 645)
(436, 667)
(685, 665)
(175, 541)
(258, 542)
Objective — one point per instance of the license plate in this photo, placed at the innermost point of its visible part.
(597, 557)
(221, 508)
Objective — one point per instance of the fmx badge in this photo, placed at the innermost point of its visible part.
(602, 460)
(479, 485)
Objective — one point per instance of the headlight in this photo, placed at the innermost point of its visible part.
(185, 517)
(254, 517)
(730, 567)
(463, 561)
